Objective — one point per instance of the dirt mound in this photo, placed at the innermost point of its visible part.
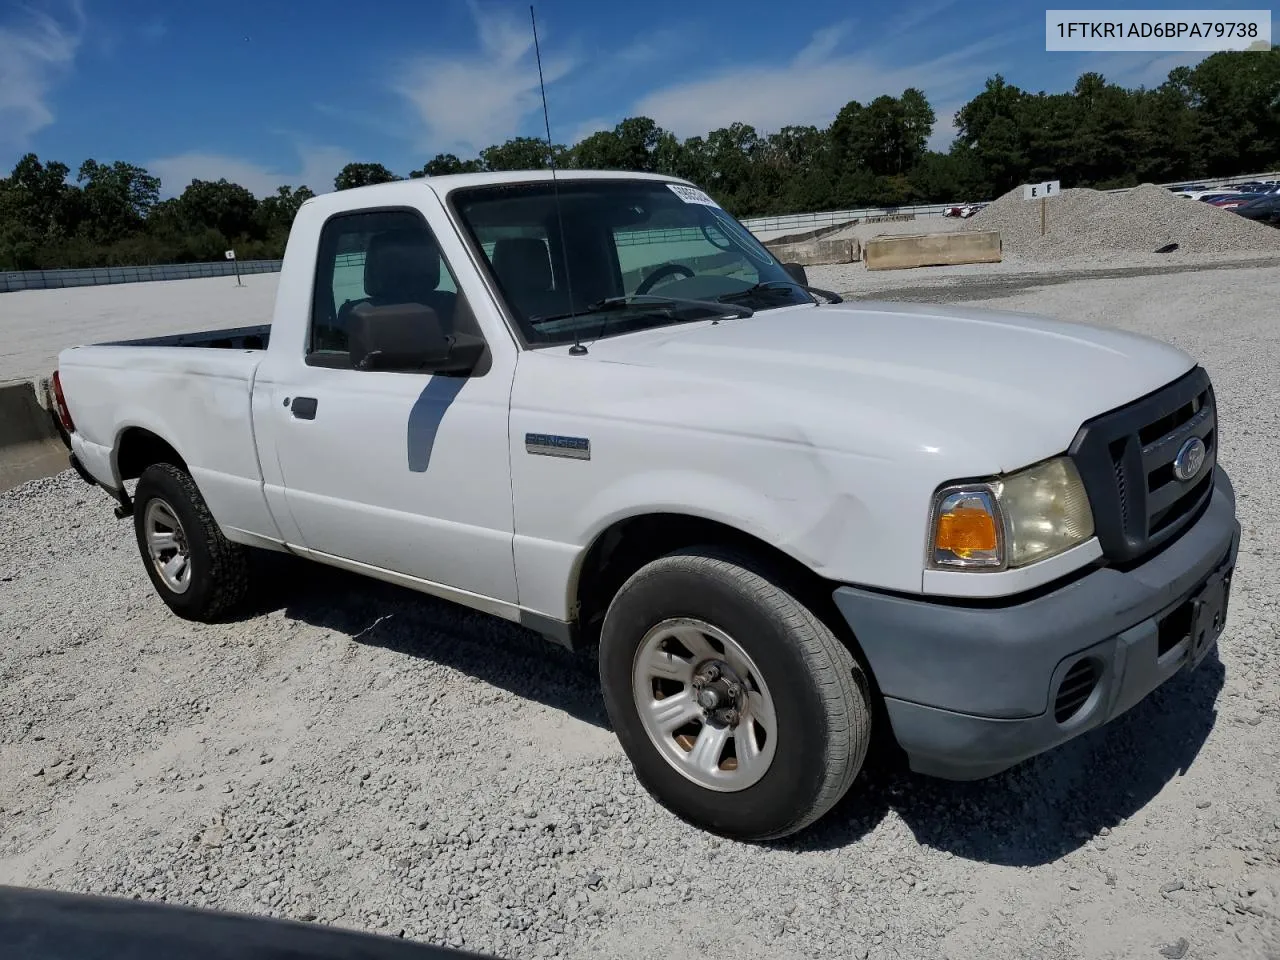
(1090, 223)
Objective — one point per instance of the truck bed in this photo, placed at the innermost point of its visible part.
(232, 338)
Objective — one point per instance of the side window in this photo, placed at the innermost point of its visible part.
(379, 258)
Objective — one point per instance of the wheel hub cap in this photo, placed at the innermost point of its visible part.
(719, 692)
(167, 545)
(704, 704)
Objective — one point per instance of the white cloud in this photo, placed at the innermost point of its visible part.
(469, 101)
(317, 168)
(944, 126)
(651, 46)
(34, 55)
(920, 14)
(814, 85)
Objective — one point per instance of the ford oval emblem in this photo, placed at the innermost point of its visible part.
(1189, 459)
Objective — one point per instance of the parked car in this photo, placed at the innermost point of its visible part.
(599, 407)
(1264, 209)
(1188, 187)
(964, 210)
(1231, 200)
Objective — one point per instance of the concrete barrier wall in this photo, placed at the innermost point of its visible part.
(30, 445)
(815, 252)
(932, 250)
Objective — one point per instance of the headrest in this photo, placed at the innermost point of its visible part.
(401, 265)
(522, 263)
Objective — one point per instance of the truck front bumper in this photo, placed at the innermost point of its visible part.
(974, 688)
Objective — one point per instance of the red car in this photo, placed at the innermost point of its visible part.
(1231, 201)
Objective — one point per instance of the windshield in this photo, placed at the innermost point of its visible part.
(619, 239)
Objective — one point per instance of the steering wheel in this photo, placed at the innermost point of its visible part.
(664, 271)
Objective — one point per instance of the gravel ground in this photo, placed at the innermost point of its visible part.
(352, 754)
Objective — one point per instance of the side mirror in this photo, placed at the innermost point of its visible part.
(797, 273)
(408, 338)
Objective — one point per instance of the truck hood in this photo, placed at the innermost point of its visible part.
(872, 377)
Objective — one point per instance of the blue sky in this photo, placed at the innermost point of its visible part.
(280, 91)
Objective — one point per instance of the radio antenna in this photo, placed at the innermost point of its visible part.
(577, 349)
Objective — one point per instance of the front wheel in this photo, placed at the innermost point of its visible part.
(740, 711)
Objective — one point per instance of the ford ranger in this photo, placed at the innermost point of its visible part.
(596, 405)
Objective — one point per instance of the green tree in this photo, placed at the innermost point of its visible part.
(918, 119)
(1104, 146)
(219, 205)
(443, 164)
(275, 213)
(115, 198)
(988, 129)
(47, 204)
(730, 156)
(362, 175)
(521, 153)
(601, 150)
(1239, 102)
(1168, 131)
(953, 177)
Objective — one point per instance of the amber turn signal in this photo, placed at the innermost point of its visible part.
(966, 531)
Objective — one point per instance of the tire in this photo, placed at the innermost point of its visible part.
(216, 570)
(786, 656)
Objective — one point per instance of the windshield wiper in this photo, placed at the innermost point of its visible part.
(616, 303)
(767, 285)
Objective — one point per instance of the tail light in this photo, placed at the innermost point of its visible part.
(60, 405)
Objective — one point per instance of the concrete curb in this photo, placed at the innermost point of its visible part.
(30, 443)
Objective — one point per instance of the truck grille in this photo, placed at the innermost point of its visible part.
(1126, 460)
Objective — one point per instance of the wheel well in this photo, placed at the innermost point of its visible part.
(139, 448)
(628, 545)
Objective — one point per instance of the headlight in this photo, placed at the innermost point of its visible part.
(1011, 521)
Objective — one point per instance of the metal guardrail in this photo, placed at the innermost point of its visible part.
(810, 221)
(97, 276)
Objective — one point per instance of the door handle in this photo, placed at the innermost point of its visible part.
(303, 408)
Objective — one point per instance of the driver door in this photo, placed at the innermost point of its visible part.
(386, 472)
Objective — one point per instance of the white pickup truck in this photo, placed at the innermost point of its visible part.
(599, 407)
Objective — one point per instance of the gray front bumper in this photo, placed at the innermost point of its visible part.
(969, 686)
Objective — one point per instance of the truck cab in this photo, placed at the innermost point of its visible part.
(594, 404)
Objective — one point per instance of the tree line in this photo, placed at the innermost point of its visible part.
(1220, 118)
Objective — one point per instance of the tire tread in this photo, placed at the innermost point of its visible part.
(228, 572)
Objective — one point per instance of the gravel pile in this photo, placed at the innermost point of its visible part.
(1086, 223)
(353, 754)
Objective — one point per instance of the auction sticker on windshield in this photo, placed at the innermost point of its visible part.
(691, 195)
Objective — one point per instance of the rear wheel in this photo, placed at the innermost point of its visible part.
(739, 709)
(198, 572)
